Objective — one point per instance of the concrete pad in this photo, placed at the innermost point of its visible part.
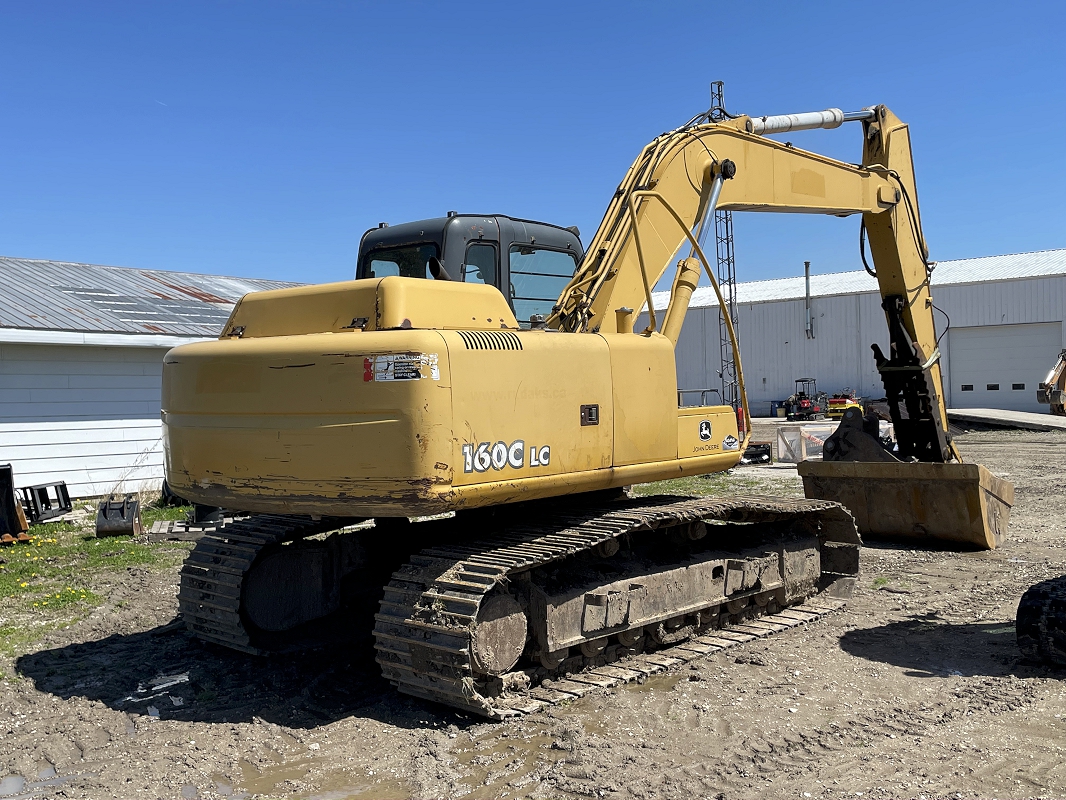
(1008, 419)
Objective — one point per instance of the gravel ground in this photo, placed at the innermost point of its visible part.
(914, 690)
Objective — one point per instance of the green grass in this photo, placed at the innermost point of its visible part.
(53, 580)
(879, 581)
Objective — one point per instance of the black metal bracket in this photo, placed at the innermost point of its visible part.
(912, 399)
(46, 501)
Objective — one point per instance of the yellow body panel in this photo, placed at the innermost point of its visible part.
(413, 421)
(644, 379)
(375, 304)
(706, 431)
(303, 425)
(520, 400)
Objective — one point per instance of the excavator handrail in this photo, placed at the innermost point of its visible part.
(734, 343)
(640, 259)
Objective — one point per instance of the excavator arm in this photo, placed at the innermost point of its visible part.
(1052, 389)
(672, 189)
(665, 204)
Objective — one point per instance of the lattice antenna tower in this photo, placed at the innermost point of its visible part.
(727, 275)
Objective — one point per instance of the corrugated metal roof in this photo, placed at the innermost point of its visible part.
(66, 296)
(1042, 263)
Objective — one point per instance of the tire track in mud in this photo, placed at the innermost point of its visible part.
(602, 763)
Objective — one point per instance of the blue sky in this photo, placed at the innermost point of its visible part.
(261, 139)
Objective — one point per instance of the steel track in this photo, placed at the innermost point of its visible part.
(423, 630)
(213, 574)
(1041, 622)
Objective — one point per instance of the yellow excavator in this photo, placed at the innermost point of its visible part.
(409, 422)
(1052, 389)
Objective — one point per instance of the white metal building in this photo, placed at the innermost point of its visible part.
(81, 360)
(1007, 327)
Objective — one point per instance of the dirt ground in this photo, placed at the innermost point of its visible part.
(916, 689)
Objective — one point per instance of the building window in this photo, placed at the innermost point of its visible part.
(992, 387)
(1018, 386)
(967, 387)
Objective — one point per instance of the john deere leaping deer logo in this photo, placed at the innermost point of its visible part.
(705, 430)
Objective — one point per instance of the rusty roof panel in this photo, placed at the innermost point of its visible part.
(67, 296)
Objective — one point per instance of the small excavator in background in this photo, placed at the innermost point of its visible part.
(806, 403)
(492, 452)
(1052, 390)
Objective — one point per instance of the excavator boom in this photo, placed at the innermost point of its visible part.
(685, 175)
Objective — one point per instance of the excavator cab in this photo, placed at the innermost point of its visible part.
(529, 262)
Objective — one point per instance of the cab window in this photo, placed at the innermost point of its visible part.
(538, 277)
(480, 264)
(408, 261)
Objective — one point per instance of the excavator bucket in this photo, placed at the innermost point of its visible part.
(960, 504)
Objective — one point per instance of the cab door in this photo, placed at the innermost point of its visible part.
(481, 263)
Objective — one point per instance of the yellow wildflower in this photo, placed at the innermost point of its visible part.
(23, 584)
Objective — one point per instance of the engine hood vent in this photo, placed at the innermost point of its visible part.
(491, 340)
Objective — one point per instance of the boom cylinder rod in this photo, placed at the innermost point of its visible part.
(712, 203)
(808, 120)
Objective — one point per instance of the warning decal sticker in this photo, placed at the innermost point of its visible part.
(401, 367)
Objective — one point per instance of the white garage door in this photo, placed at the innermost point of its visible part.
(999, 366)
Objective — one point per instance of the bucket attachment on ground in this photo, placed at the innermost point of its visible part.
(119, 517)
(956, 503)
(46, 501)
